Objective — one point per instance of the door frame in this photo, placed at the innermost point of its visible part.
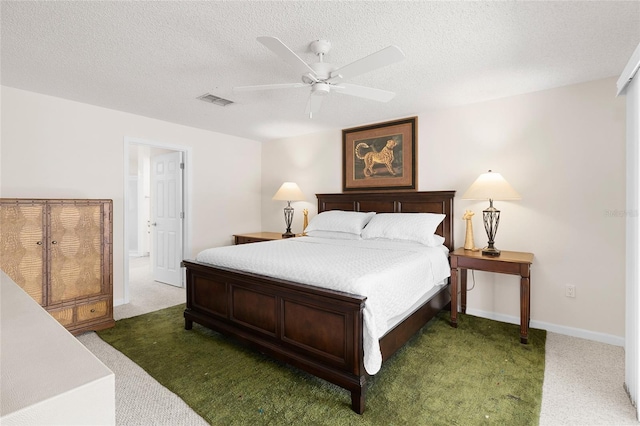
(629, 85)
(186, 202)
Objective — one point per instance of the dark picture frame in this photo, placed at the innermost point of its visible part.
(380, 156)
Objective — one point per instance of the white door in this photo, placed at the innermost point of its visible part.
(166, 217)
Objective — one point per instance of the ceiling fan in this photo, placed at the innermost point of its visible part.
(323, 78)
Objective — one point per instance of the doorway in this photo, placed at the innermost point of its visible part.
(156, 219)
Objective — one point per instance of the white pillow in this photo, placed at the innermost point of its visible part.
(419, 227)
(339, 221)
(437, 240)
(334, 235)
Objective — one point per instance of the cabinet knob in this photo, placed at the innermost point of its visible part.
(54, 242)
(93, 310)
(39, 243)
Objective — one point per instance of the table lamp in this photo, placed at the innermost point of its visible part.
(288, 192)
(491, 186)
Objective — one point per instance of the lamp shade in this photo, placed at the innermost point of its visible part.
(491, 186)
(289, 191)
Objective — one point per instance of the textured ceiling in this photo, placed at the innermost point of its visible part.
(155, 58)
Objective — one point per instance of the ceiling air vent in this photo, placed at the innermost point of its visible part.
(208, 97)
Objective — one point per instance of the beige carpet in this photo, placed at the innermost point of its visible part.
(145, 294)
(583, 381)
(584, 384)
(140, 399)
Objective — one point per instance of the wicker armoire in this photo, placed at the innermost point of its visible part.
(60, 251)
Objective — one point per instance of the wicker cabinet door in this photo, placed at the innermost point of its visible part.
(22, 242)
(75, 251)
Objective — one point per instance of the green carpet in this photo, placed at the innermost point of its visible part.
(476, 374)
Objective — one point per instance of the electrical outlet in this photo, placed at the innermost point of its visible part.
(570, 290)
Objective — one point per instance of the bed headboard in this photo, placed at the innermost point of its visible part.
(396, 202)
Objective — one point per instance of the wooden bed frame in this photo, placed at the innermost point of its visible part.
(311, 328)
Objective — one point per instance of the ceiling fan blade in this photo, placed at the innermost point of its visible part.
(269, 87)
(279, 48)
(379, 59)
(314, 104)
(364, 92)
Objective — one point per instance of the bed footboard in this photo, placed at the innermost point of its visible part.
(314, 329)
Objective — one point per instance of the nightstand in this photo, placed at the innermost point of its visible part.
(256, 237)
(509, 262)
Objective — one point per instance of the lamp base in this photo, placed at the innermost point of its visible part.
(288, 218)
(490, 251)
(491, 219)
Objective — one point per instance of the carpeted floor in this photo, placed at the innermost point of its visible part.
(145, 294)
(487, 374)
(583, 380)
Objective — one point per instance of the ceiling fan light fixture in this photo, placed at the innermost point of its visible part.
(321, 89)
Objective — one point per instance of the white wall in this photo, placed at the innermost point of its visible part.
(54, 148)
(311, 161)
(563, 150)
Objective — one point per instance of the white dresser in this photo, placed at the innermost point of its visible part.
(46, 375)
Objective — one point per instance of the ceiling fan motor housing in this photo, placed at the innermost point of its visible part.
(322, 70)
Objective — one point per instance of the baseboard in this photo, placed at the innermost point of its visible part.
(118, 302)
(554, 328)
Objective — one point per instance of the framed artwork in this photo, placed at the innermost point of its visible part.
(380, 156)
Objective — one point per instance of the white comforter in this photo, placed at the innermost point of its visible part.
(392, 275)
